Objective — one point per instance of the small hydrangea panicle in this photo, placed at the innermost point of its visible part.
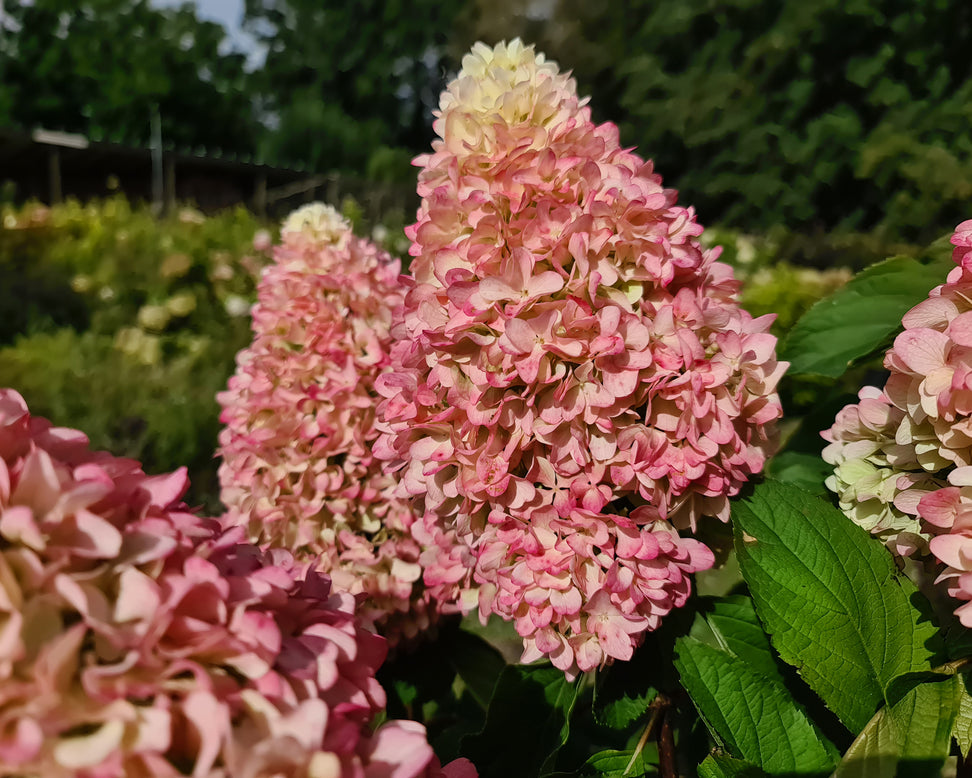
(903, 455)
(573, 378)
(139, 640)
(880, 474)
(298, 470)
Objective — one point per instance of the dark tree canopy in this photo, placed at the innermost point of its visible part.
(813, 115)
(345, 79)
(822, 115)
(100, 67)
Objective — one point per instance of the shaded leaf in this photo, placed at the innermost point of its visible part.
(621, 711)
(910, 738)
(962, 729)
(734, 622)
(527, 722)
(477, 663)
(808, 471)
(831, 599)
(616, 765)
(754, 715)
(722, 766)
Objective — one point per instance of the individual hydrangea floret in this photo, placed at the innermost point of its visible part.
(298, 470)
(573, 377)
(138, 640)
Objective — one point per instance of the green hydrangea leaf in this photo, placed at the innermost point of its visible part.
(808, 471)
(831, 599)
(909, 739)
(860, 317)
(619, 764)
(624, 691)
(476, 662)
(722, 766)
(527, 722)
(621, 711)
(753, 715)
(962, 729)
(736, 627)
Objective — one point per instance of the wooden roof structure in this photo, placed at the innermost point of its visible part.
(48, 166)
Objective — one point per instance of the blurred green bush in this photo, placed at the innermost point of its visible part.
(780, 280)
(126, 326)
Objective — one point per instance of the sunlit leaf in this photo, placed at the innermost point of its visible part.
(831, 599)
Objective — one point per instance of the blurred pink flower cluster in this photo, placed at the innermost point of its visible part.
(573, 378)
(903, 456)
(137, 639)
(298, 470)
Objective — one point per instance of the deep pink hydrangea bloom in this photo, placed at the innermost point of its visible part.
(573, 375)
(298, 470)
(922, 445)
(137, 639)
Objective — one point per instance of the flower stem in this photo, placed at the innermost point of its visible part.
(658, 706)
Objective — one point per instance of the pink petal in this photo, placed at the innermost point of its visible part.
(519, 337)
(398, 750)
(954, 550)
(932, 313)
(922, 350)
(209, 719)
(960, 329)
(23, 744)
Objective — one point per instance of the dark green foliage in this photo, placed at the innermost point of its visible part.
(351, 80)
(35, 297)
(118, 324)
(530, 716)
(814, 115)
(102, 67)
(810, 116)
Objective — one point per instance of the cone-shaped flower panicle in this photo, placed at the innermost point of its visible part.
(573, 375)
(903, 455)
(298, 471)
(140, 640)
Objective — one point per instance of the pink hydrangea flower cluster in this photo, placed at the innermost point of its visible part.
(137, 639)
(903, 455)
(573, 378)
(298, 470)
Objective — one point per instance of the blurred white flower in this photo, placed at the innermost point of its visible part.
(236, 305)
(153, 317)
(745, 250)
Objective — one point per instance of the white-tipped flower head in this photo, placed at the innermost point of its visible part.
(506, 85)
(318, 222)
